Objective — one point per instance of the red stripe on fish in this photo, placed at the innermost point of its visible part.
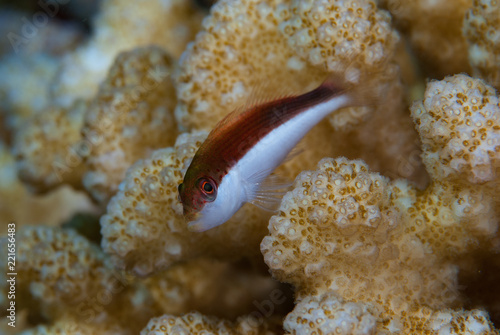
(240, 152)
(238, 132)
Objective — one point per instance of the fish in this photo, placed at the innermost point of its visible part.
(234, 164)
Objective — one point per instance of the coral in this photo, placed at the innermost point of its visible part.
(451, 322)
(238, 48)
(71, 326)
(44, 66)
(328, 315)
(64, 274)
(144, 230)
(434, 30)
(195, 323)
(356, 39)
(169, 24)
(459, 123)
(22, 76)
(91, 144)
(346, 235)
(339, 35)
(216, 288)
(481, 26)
(336, 228)
(16, 198)
(358, 241)
(131, 115)
(47, 148)
(59, 267)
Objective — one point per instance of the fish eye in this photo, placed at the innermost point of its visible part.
(208, 188)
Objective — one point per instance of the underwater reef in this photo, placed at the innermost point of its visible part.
(391, 225)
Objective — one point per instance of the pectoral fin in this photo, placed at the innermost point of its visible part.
(269, 192)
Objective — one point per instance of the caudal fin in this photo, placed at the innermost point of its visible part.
(364, 88)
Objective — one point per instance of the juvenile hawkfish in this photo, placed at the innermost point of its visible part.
(231, 166)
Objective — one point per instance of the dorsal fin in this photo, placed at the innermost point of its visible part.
(263, 91)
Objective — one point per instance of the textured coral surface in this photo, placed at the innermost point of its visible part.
(346, 233)
(481, 27)
(196, 324)
(131, 115)
(390, 225)
(434, 31)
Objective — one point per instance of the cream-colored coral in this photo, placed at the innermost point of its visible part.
(350, 235)
(356, 40)
(91, 144)
(355, 236)
(21, 77)
(16, 198)
(211, 287)
(460, 322)
(131, 115)
(43, 71)
(196, 324)
(338, 229)
(62, 273)
(339, 36)
(144, 230)
(481, 28)
(73, 326)
(329, 315)
(170, 24)
(434, 30)
(459, 124)
(48, 149)
(59, 267)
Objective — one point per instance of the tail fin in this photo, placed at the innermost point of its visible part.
(366, 88)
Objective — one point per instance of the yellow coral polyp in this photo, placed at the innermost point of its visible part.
(198, 324)
(131, 114)
(410, 247)
(459, 124)
(481, 27)
(338, 35)
(49, 150)
(344, 211)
